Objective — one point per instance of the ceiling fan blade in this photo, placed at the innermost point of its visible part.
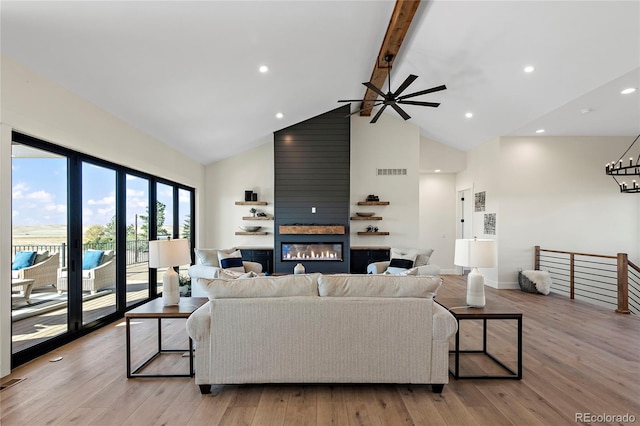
(365, 109)
(400, 111)
(405, 84)
(420, 103)
(423, 92)
(375, 89)
(378, 114)
(354, 100)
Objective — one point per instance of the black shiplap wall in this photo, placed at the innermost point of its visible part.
(312, 170)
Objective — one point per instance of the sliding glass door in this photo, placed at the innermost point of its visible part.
(80, 239)
(39, 246)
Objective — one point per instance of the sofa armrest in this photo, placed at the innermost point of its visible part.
(252, 266)
(444, 324)
(203, 271)
(428, 270)
(377, 267)
(199, 323)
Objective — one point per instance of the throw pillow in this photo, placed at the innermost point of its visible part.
(207, 257)
(23, 259)
(41, 256)
(231, 261)
(91, 259)
(420, 256)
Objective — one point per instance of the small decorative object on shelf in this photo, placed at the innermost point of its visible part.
(372, 228)
(253, 211)
(298, 269)
(372, 197)
(248, 195)
(254, 197)
(261, 214)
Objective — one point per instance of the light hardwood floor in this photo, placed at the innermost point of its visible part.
(578, 358)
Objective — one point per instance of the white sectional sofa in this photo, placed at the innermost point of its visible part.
(322, 329)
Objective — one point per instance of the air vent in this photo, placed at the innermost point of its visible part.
(9, 383)
(391, 172)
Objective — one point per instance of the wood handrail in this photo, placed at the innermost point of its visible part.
(622, 262)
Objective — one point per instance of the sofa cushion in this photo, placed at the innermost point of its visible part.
(41, 256)
(91, 259)
(107, 256)
(419, 256)
(264, 286)
(207, 257)
(231, 261)
(346, 285)
(23, 259)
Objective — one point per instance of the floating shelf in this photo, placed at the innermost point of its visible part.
(312, 229)
(257, 218)
(373, 233)
(366, 218)
(251, 203)
(252, 233)
(373, 203)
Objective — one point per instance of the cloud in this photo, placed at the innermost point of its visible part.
(109, 200)
(14, 213)
(40, 196)
(18, 190)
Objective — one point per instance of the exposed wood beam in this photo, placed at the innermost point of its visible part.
(399, 23)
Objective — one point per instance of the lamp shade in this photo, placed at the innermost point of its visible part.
(475, 253)
(168, 253)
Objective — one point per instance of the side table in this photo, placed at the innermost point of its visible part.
(491, 311)
(155, 309)
(27, 285)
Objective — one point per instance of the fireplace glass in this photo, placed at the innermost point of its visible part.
(311, 251)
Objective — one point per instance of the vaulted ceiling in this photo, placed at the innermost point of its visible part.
(188, 74)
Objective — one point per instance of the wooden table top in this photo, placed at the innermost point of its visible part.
(459, 308)
(19, 281)
(155, 308)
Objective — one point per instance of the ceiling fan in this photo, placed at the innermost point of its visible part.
(392, 99)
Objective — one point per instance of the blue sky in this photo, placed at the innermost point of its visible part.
(39, 194)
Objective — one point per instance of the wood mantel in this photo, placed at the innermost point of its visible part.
(312, 229)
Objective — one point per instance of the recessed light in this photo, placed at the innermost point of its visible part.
(585, 110)
(437, 170)
(540, 131)
(469, 115)
(263, 68)
(529, 68)
(279, 115)
(628, 90)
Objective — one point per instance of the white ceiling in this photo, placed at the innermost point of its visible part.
(187, 72)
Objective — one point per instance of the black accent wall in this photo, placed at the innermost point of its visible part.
(311, 166)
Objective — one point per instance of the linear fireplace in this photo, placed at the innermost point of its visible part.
(315, 252)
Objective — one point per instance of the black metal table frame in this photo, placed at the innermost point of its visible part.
(512, 374)
(159, 352)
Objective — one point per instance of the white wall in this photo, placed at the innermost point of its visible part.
(555, 194)
(390, 143)
(438, 219)
(226, 182)
(33, 105)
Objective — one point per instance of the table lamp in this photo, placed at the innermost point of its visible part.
(475, 253)
(169, 253)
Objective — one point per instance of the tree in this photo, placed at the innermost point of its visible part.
(160, 215)
(94, 234)
(186, 227)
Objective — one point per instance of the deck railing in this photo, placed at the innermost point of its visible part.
(605, 280)
(137, 250)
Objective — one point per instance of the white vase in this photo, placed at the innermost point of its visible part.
(299, 269)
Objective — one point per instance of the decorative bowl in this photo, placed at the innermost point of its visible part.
(250, 228)
(365, 214)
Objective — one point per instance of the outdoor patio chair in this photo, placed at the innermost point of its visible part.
(42, 272)
(93, 279)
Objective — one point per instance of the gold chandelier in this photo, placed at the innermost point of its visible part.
(623, 169)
